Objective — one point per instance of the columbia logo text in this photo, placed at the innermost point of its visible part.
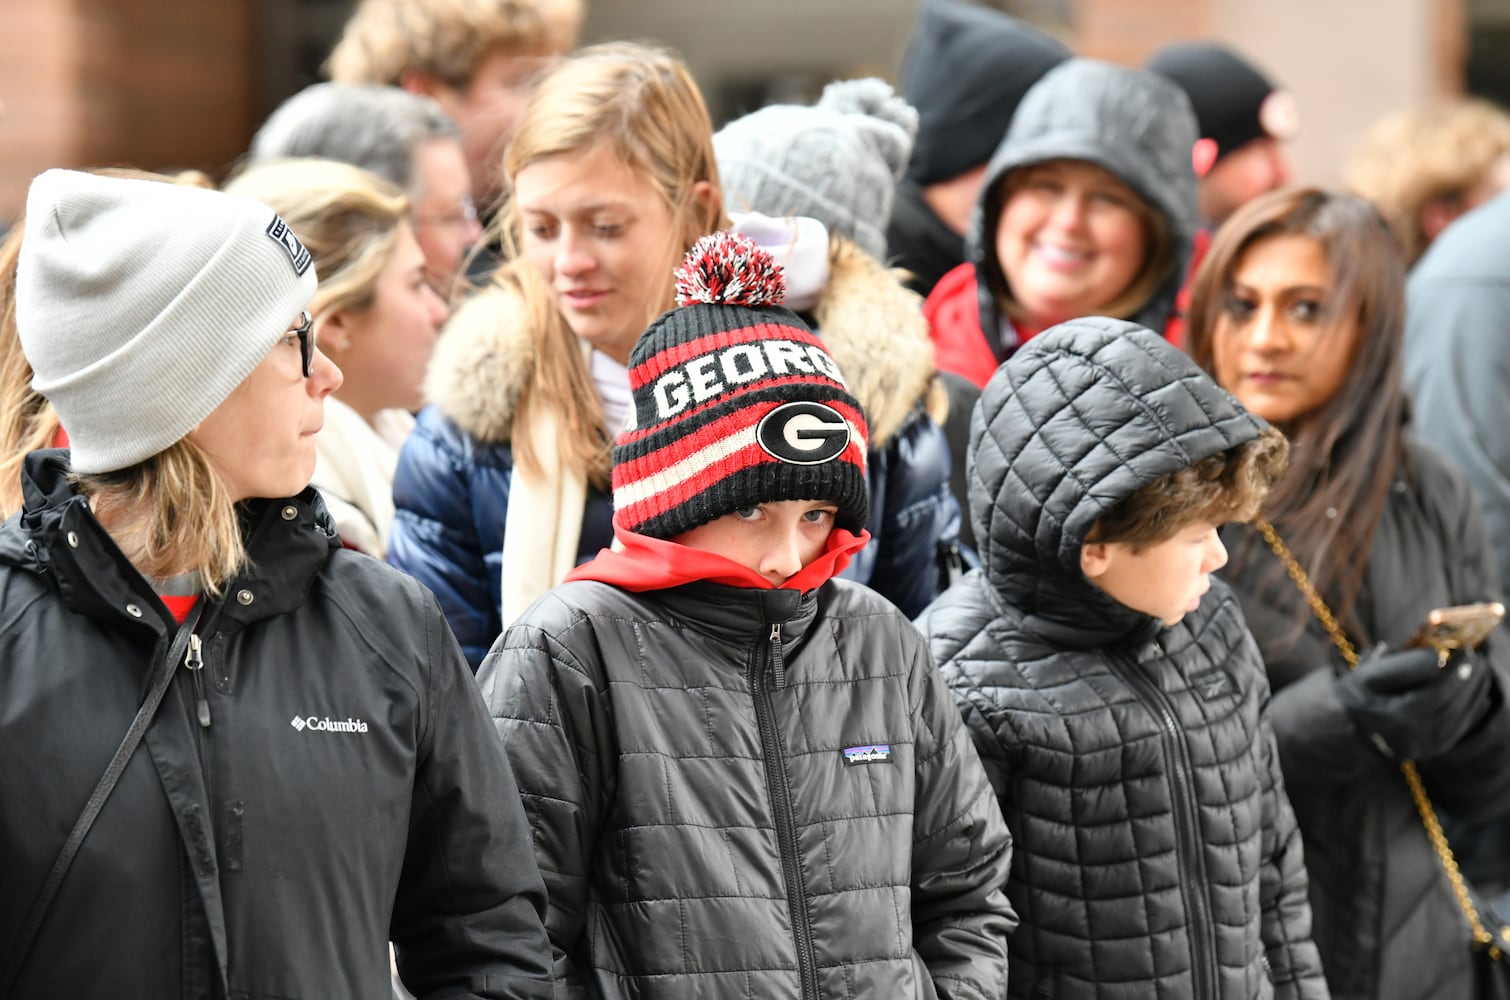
(327, 725)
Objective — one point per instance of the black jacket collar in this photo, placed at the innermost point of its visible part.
(57, 535)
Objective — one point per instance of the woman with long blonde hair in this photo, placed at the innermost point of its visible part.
(502, 488)
(376, 316)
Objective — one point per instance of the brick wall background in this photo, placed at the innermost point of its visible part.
(166, 84)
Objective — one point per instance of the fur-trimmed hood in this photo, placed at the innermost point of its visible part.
(870, 323)
(874, 328)
(482, 363)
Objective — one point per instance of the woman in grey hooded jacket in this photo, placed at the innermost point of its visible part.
(1089, 208)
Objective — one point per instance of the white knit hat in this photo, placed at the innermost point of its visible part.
(141, 305)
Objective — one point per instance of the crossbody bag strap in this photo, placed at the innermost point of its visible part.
(159, 686)
(1481, 936)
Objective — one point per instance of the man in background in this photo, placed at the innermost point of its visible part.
(403, 138)
(966, 69)
(1245, 121)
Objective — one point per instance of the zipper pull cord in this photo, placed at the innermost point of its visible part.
(776, 660)
(194, 663)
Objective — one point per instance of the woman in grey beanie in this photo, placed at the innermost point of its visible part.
(837, 162)
(298, 799)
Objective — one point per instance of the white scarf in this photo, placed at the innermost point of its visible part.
(542, 527)
(354, 466)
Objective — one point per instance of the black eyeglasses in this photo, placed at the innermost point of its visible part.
(305, 331)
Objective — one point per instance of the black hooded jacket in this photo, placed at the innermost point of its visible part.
(1386, 919)
(1155, 852)
(347, 790)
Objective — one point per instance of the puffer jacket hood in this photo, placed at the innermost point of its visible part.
(1083, 416)
(1130, 122)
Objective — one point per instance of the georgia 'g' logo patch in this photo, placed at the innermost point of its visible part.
(803, 433)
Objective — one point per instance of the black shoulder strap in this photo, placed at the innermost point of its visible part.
(159, 686)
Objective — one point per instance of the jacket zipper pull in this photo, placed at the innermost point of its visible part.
(194, 662)
(776, 660)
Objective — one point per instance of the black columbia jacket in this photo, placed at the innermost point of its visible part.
(1154, 851)
(346, 789)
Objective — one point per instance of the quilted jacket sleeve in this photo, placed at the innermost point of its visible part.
(550, 710)
(438, 489)
(468, 918)
(1294, 962)
(918, 514)
(961, 850)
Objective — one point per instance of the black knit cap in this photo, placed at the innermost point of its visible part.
(967, 68)
(736, 403)
(1234, 102)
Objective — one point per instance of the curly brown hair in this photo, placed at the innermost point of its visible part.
(1229, 486)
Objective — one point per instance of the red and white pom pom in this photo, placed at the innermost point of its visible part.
(731, 269)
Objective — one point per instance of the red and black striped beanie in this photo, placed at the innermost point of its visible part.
(736, 403)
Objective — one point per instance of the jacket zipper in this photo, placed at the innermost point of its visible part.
(1187, 823)
(781, 806)
(194, 664)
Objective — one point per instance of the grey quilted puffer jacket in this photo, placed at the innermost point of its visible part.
(704, 812)
(1155, 853)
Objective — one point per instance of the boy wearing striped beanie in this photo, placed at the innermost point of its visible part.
(743, 774)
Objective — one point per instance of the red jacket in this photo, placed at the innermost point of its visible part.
(959, 344)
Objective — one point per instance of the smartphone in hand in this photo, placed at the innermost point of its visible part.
(1461, 627)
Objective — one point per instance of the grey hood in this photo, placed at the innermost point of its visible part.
(1083, 416)
(1130, 122)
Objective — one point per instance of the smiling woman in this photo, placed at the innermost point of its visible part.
(1088, 209)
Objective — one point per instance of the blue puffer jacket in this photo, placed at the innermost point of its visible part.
(452, 497)
(875, 330)
(451, 490)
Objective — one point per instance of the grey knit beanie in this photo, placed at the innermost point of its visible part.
(141, 305)
(837, 161)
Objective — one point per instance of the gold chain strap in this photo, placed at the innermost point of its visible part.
(1481, 935)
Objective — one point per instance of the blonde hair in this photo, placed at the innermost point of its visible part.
(1158, 256)
(27, 419)
(643, 105)
(171, 514)
(1438, 151)
(448, 39)
(347, 217)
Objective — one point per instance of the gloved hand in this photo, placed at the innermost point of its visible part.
(1412, 708)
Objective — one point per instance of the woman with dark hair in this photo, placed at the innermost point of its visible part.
(1298, 310)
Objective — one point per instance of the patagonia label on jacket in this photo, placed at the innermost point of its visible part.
(316, 724)
(1213, 684)
(870, 753)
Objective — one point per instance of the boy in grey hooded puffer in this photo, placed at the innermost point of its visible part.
(1111, 685)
